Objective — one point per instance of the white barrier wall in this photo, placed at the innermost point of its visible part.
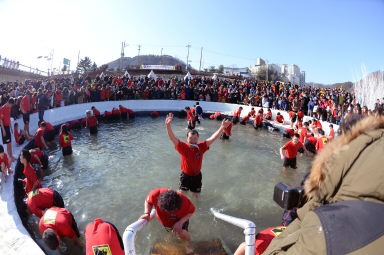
(14, 239)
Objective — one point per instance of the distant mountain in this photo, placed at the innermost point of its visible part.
(348, 86)
(147, 60)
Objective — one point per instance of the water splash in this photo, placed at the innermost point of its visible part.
(369, 88)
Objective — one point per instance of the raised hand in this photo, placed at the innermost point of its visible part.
(169, 119)
(225, 123)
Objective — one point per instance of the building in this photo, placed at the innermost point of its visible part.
(302, 78)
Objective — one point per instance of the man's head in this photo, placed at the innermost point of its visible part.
(192, 136)
(51, 239)
(187, 108)
(43, 125)
(321, 132)
(306, 124)
(330, 126)
(1, 149)
(295, 138)
(11, 102)
(88, 113)
(169, 201)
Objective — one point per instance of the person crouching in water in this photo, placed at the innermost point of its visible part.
(5, 164)
(91, 122)
(227, 131)
(245, 119)
(21, 136)
(191, 118)
(65, 140)
(173, 210)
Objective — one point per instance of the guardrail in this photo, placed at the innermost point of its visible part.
(248, 226)
(130, 233)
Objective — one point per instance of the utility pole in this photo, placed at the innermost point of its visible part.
(78, 60)
(188, 46)
(161, 55)
(201, 57)
(138, 53)
(123, 46)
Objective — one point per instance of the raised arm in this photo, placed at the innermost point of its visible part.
(224, 124)
(170, 133)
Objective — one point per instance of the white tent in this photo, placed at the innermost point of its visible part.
(188, 76)
(152, 75)
(126, 74)
(214, 77)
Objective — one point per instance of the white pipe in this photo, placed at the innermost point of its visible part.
(248, 226)
(130, 233)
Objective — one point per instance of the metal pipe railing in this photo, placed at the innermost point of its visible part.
(248, 226)
(130, 233)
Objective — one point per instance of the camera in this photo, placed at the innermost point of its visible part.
(288, 197)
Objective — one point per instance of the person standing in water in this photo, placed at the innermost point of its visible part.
(191, 154)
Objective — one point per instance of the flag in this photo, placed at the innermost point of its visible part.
(66, 61)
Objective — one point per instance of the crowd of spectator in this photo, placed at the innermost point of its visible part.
(324, 104)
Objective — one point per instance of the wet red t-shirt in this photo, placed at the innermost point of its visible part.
(59, 219)
(191, 157)
(5, 115)
(102, 237)
(280, 118)
(36, 152)
(303, 133)
(291, 149)
(39, 134)
(65, 140)
(48, 127)
(168, 219)
(96, 112)
(320, 143)
(4, 159)
(30, 173)
(91, 121)
(39, 200)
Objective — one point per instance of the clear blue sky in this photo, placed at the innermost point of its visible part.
(329, 39)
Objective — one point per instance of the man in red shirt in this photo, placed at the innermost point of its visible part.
(237, 114)
(42, 199)
(279, 118)
(124, 112)
(25, 106)
(173, 210)
(321, 141)
(49, 132)
(6, 128)
(303, 132)
(39, 137)
(227, 131)
(39, 157)
(103, 237)
(331, 135)
(291, 148)
(57, 223)
(245, 119)
(95, 112)
(192, 155)
(91, 122)
(191, 118)
(258, 121)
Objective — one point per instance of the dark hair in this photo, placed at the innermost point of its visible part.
(193, 132)
(187, 108)
(1, 149)
(26, 154)
(92, 107)
(278, 113)
(197, 103)
(169, 201)
(321, 132)
(330, 125)
(306, 124)
(11, 100)
(16, 124)
(296, 135)
(64, 129)
(50, 239)
(43, 124)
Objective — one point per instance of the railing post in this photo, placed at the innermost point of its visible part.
(130, 233)
(248, 226)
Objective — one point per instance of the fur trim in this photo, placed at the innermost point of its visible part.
(320, 170)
